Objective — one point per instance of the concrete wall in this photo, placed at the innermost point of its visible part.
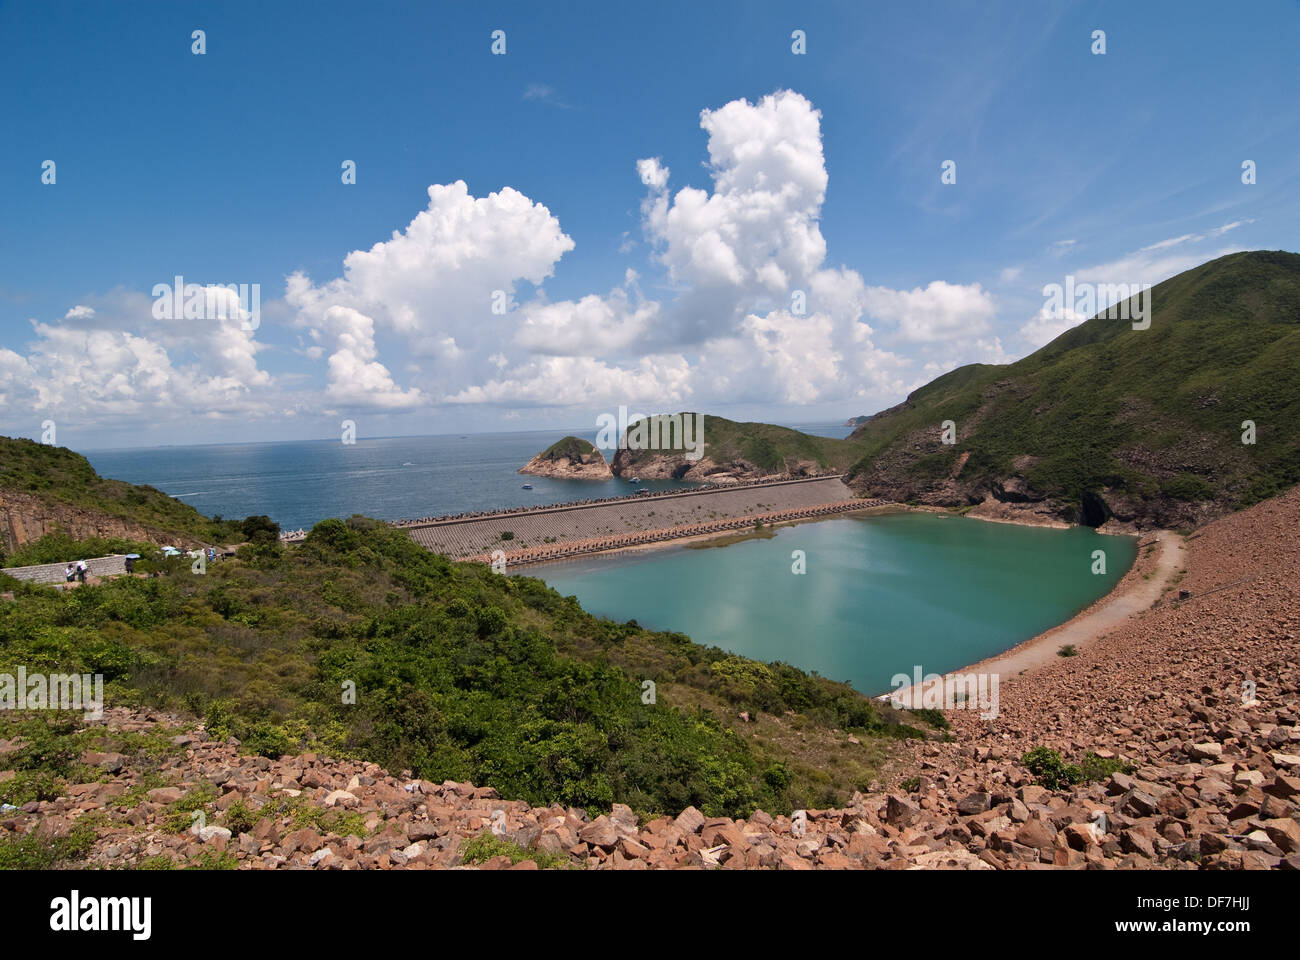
(53, 572)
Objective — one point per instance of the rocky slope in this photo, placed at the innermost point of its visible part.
(569, 459)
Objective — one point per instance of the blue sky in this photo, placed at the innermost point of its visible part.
(817, 173)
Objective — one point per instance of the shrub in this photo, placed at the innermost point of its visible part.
(260, 529)
(491, 621)
(1186, 486)
(777, 776)
(934, 718)
(35, 851)
(1096, 768)
(240, 818)
(1049, 769)
(267, 740)
(487, 845)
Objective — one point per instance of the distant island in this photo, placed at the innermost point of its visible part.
(569, 459)
(732, 452)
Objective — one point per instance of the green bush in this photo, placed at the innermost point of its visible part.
(35, 851)
(1049, 769)
(58, 547)
(1187, 486)
(487, 845)
(1095, 768)
(260, 529)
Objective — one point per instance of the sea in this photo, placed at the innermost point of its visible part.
(299, 483)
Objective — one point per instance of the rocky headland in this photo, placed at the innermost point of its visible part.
(569, 459)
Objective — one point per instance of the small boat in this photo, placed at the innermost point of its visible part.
(528, 486)
(635, 480)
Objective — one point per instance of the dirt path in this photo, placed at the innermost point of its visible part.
(1141, 587)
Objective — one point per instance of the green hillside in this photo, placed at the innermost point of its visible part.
(1146, 424)
(63, 481)
(569, 448)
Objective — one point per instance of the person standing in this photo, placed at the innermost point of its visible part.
(81, 570)
(70, 573)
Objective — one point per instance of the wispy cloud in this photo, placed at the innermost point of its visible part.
(544, 93)
(1195, 237)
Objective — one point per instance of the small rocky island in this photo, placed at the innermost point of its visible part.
(569, 459)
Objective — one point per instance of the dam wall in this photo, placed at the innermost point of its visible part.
(545, 526)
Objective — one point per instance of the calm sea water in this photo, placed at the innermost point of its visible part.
(880, 595)
(298, 484)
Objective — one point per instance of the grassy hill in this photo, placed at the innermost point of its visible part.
(569, 448)
(65, 489)
(1146, 424)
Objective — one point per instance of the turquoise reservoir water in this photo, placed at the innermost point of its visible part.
(881, 594)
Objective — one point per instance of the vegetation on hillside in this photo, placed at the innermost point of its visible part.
(58, 547)
(360, 643)
(570, 448)
(1148, 415)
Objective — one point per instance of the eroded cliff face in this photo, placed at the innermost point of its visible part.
(25, 517)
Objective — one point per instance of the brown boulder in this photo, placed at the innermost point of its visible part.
(690, 820)
(601, 832)
(901, 812)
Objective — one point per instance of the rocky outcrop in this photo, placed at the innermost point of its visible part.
(570, 459)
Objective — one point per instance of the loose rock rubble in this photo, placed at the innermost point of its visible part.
(1215, 779)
